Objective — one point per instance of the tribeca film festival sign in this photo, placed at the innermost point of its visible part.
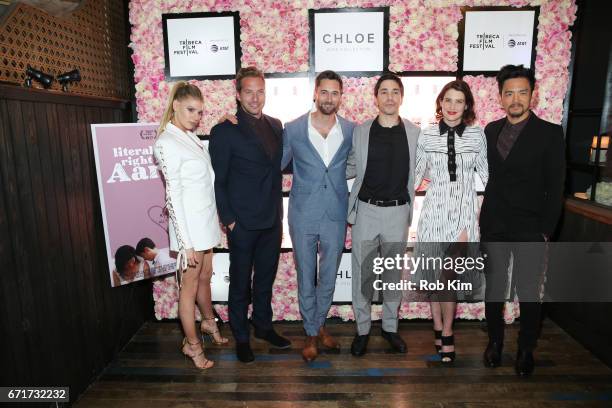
(349, 40)
(494, 38)
(201, 45)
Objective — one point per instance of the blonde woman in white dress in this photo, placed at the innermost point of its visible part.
(451, 153)
(190, 201)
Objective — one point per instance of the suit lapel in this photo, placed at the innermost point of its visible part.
(346, 131)
(365, 147)
(187, 140)
(278, 134)
(306, 137)
(307, 142)
(412, 146)
(346, 137)
(495, 132)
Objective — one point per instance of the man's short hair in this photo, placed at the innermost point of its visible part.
(247, 72)
(329, 74)
(386, 77)
(123, 255)
(515, 71)
(144, 243)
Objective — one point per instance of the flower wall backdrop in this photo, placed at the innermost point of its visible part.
(274, 36)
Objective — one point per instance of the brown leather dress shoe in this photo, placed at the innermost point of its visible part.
(327, 340)
(310, 352)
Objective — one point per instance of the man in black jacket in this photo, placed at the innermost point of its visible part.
(522, 204)
(246, 158)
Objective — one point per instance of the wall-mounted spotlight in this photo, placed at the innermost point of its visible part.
(44, 79)
(68, 77)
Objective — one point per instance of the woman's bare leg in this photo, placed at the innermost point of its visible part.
(204, 299)
(187, 299)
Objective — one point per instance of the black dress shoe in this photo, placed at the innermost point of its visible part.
(394, 339)
(244, 352)
(524, 363)
(360, 345)
(274, 339)
(493, 354)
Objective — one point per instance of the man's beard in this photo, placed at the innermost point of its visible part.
(517, 114)
(327, 109)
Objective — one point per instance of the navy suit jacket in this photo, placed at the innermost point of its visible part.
(248, 183)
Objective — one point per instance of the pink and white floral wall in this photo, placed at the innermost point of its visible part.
(274, 37)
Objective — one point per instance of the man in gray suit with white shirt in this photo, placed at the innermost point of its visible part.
(318, 143)
(382, 161)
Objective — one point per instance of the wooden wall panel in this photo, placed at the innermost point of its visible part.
(11, 319)
(61, 322)
(589, 323)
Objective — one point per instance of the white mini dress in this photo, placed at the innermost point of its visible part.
(190, 194)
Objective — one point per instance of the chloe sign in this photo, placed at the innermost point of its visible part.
(349, 40)
(358, 38)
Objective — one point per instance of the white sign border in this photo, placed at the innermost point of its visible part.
(237, 43)
(461, 39)
(311, 38)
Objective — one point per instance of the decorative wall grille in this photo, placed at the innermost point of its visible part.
(92, 39)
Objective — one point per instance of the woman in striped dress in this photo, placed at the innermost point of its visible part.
(450, 153)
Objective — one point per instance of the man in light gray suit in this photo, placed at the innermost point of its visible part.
(382, 161)
(319, 143)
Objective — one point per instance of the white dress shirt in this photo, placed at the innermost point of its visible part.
(326, 147)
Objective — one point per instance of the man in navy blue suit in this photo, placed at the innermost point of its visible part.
(318, 143)
(246, 158)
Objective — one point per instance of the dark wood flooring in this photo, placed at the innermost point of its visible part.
(151, 372)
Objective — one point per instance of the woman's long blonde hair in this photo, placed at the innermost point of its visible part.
(180, 91)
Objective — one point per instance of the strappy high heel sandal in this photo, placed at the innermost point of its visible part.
(448, 356)
(209, 334)
(186, 350)
(437, 336)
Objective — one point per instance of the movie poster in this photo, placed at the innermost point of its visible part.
(132, 200)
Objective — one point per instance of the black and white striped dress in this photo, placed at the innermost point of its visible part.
(450, 206)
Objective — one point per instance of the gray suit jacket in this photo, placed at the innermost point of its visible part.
(358, 159)
(316, 189)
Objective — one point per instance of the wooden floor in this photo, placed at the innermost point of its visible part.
(150, 372)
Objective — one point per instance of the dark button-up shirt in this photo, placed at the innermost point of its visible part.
(262, 130)
(386, 175)
(508, 135)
